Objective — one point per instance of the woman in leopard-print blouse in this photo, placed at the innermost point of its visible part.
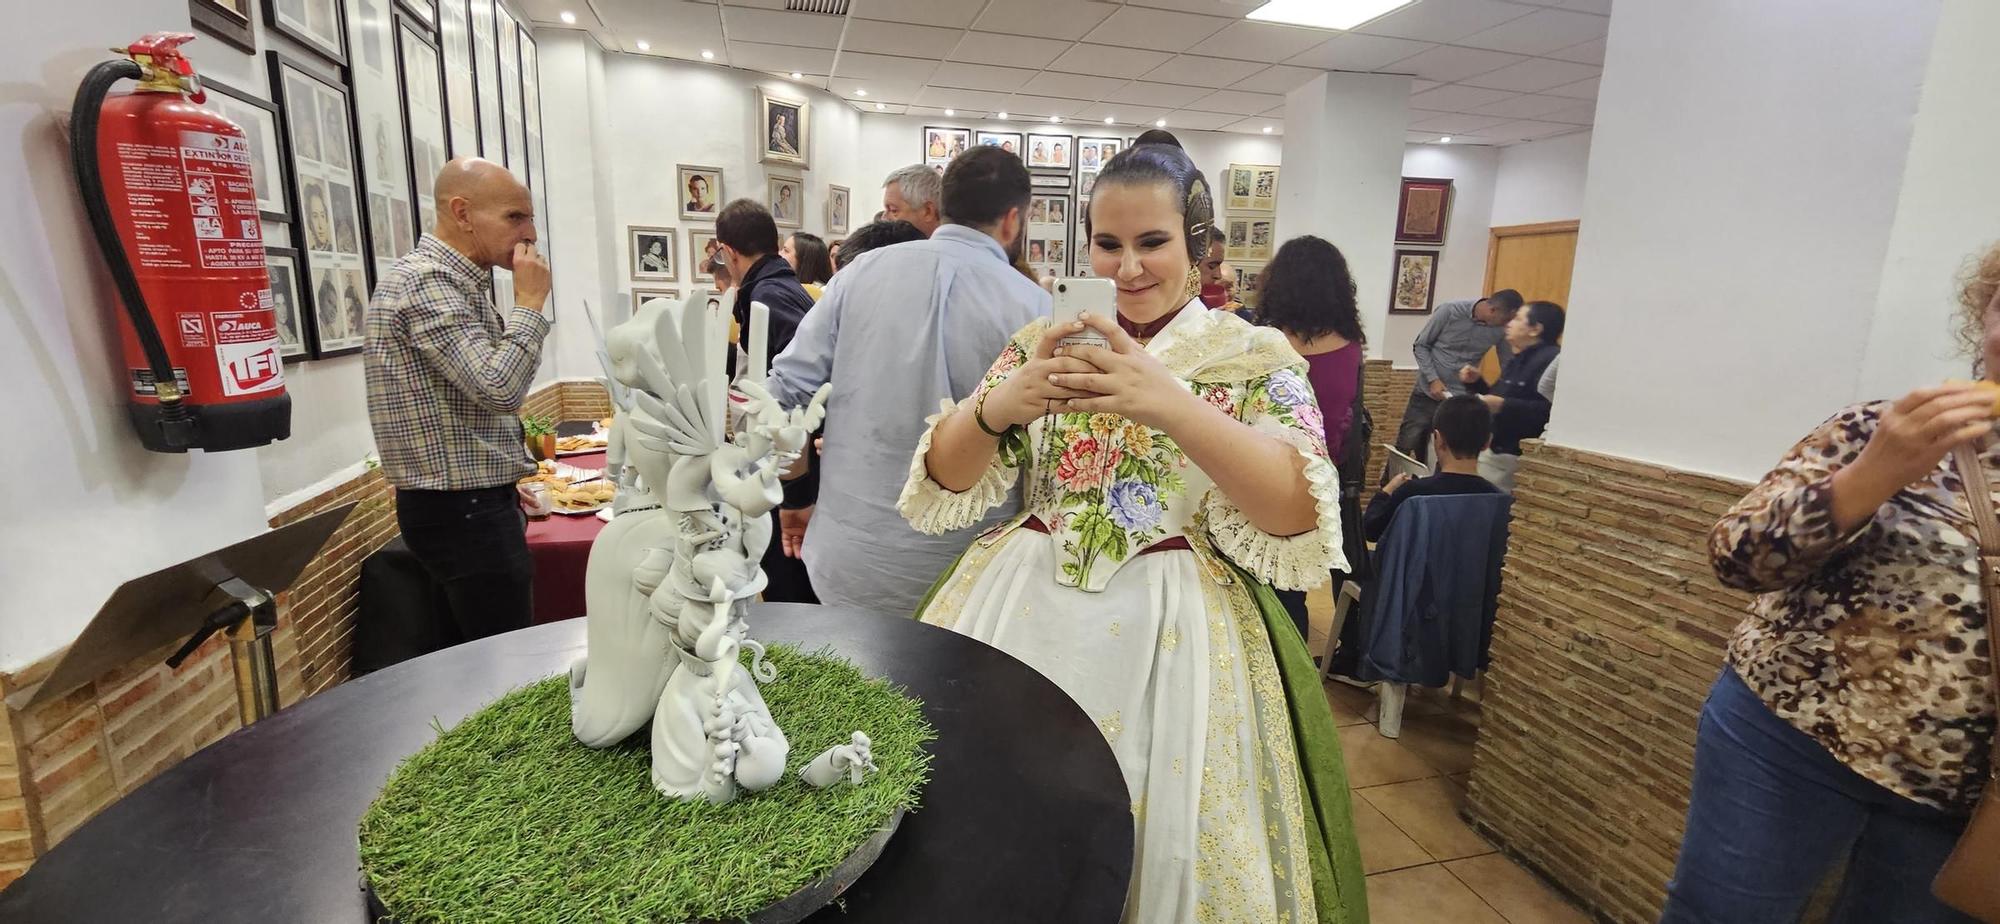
(1855, 720)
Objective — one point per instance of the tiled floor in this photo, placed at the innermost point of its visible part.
(1424, 863)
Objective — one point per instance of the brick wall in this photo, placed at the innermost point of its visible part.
(65, 760)
(1611, 628)
(1385, 392)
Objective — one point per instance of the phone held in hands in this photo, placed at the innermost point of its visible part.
(1075, 295)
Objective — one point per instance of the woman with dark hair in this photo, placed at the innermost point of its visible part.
(1520, 408)
(1307, 293)
(809, 259)
(878, 233)
(1168, 479)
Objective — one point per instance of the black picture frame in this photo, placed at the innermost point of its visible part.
(276, 18)
(461, 92)
(1421, 265)
(217, 19)
(283, 197)
(423, 11)
(305, 235)
(423, 170)
(288, 301)
(486, 80)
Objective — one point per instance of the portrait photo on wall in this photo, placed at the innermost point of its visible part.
(1094, 153)
(787, 200)
(701, 191)
(1251, 188)
(1247, 277)
(328, 234)
(1249, 239)
(652, 254)
(315, 24)
(1416, 276)
(1423, 211)
(1050, 152)
(228, 20)
(642, 296)
(943, 144)
(784, 123)
(282, 264)
(701, 249)
(839, 203)
(1005, 141)
(259, 120)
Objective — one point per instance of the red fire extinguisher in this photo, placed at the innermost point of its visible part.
(168, 188)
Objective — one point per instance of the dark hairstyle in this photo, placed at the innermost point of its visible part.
(1465, 424)
(1507, 300)
(1148, 164)
(814, 264)
(1307, 291)
(747, 228)
(1156, 136)
(873, 235)
(982, 184)
(1550, 316)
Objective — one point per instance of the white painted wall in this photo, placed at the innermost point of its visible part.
(1949, 209)
(1541, 181)
(1462, 263)
(1736, 224)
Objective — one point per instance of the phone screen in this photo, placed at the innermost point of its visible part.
(1075, 295)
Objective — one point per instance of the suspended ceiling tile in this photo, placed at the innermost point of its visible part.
(1447, 63)
(1256, 125)
(1356, 51)
(980, 76)
(781, 59)
(1456, 98)
(1041, 107)
(896, 38)
(1262, 41)
(1109, 60)
(1540, 32)
(1238, 102)
(675, 28)
(1076, 86)
(879, 91)
(1278, 78)
(1169, 95)
(1160, 30)
(1121, 114)
(955, 14)
(1534, 75)
(1525, 106)
(1582, 89)
(915, 71)
(1586, 53)
(1444, 20)
(1200, 121)
(962, 115)
(1585, 114)
(1014, 50)
(1060, 19)
(1452, 123)
(1601, 7)
(1529, 130)
(1197, 71)
(811, 30)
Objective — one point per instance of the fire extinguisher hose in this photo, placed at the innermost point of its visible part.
(177, 428)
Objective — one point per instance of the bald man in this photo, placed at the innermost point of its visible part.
(447, 374)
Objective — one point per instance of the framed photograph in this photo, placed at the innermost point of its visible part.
(787, 197)
(1005, 141)
(1416, 276)
(1086, 180)
(455, 38)
(1050, 152)
(531, 113)
(942, 144)
(784, 124)
(839, 206)
(381, 130)
(316, 24)
(642, 296)
(228, 20)
(328, 236)
(259, 119)
(513, 122)
(1247, 277)
(282, 263)
(702, 187)
(424, 10)
(1249, 239)
(653, 254)
(486, 82)
(1251, 188)
(701, 247)
(426, 131)
(1423, 210)
(1050, 181)
(1093, 153)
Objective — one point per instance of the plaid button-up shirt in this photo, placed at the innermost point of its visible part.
(447, 374)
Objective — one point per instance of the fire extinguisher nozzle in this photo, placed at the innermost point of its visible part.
(177, 429)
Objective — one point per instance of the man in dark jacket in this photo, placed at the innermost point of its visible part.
(747, 239)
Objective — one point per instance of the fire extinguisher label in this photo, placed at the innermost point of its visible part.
(143, 381)
(248, 368)
(222, 198)
(193, 326)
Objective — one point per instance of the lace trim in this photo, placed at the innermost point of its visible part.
(934, 509)
(1298, 562)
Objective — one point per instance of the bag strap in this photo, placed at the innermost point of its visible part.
(1979, 497)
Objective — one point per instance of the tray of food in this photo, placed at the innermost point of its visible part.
(577, 445)
(582, 499)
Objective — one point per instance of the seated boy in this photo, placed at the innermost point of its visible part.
(1460, 430)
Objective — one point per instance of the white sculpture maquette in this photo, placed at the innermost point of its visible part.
(669, 577)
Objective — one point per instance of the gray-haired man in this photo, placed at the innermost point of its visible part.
(911, 194)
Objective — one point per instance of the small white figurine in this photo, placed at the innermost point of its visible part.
(853, 759)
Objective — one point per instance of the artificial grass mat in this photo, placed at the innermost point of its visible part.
(506, 817)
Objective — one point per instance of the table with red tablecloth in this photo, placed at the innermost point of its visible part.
(560, 546)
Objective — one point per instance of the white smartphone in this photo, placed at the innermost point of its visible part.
(1075, 295)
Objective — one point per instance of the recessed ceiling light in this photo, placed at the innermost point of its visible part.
(1324, 14)
(568, 18)
(1445, 140)
(1055, 120)
(1160, 124)
(645, 45)
(1107, 120)
(1267, 129)
(1003, 116)
(881, 107)
(951, 112)
(796, 75)
(707, 55)
(860, 92)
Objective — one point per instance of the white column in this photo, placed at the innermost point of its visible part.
(1343, 168)
(585, 259)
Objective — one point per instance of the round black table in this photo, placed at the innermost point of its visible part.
(1026, 816)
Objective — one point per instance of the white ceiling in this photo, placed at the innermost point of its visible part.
(1487, 71)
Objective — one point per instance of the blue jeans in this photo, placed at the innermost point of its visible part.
(1773, 812)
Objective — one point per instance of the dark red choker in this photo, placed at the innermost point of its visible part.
(1150, 329)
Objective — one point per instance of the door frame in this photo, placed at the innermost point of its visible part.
(1495, 234)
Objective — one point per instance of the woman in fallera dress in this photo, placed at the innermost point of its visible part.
(1168, 481)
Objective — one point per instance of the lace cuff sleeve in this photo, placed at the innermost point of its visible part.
(934, 509)
(1282, 406)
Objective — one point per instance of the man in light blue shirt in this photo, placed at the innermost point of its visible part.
(898, 331)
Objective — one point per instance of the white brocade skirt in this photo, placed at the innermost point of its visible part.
(1176, 669)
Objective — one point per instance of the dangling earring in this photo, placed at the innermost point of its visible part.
(1193, 284)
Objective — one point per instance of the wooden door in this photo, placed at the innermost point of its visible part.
(1534, 260)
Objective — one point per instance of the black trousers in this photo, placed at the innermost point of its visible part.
(1413, 437)
(787, 579)
(474, 544)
